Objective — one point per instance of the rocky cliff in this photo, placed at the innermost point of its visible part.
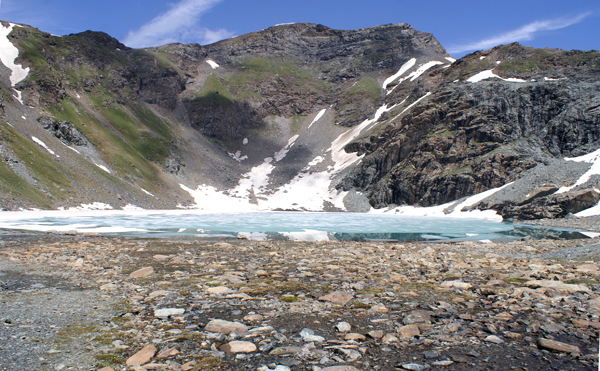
(296, 116)
(494, 115)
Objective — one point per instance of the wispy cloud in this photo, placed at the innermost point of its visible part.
(178, 24)
(527, 32)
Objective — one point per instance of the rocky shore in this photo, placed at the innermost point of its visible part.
(95, 303)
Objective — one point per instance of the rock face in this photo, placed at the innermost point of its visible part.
(469, 137)
(65, 131)
(552, 206)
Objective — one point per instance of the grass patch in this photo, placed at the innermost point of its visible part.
(518, 281)
(214, 89)
(288, 298)
(367, 86)
(109, 359)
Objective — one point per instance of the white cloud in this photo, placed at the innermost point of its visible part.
(527, 32)
(178, 24)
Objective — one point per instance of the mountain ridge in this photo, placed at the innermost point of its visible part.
(297, 110)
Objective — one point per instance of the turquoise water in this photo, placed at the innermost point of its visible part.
(275, 225)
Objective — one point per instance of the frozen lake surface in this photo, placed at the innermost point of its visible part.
(304, 226)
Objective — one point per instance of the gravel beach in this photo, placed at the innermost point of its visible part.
(95, 303)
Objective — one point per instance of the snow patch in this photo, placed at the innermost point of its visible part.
(280, 155)
(307, 235)
(19, 96)
(238, 156)
(405, 67)
(102, 167)
(591, 158)
(253, 236)
(309, 191)
(340, 157)
(213, 64)
(245, 141)
(146, 192)
(438, 211)
(208, 198)
(488, 74)
(43, 145)
(8, 54)
(130, 207)
(318, 117)
(317, 160)
(416, 74)
(92, 206)
(450, 59)
(422, 69)
(477, 198)
(414, 103)
(590, 234)
(71, 148)
(24, 118)
(550, 79)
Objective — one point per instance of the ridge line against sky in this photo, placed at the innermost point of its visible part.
(179, 23)
(527, 32)
(460, 27)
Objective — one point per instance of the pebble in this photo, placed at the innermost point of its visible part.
(414, 367)
(142, 357)
(337, 297)
(417, 316)
(277, 368)
(558, 346)
(309, 335)
(166, 312)
(443, 363)
(457, 284)
(343, 327)
(287, 350)
(494, 339)
(235, 347)
(226, 327)
(219, 290)
(355, 337)
(409, 331)
(167, 352)
(142, 272)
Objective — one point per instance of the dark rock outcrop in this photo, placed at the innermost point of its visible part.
(469, 137)
(65, 131)
(552, 206)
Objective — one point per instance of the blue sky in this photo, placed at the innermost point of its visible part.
(461, 26)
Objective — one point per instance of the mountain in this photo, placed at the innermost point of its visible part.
(294, 117)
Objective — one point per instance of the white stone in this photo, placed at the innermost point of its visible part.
(166, 312)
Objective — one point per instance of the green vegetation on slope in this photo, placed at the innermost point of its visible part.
(46, 171)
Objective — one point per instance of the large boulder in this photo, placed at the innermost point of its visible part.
(552, 206)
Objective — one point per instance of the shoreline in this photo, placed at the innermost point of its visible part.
(90, 303)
